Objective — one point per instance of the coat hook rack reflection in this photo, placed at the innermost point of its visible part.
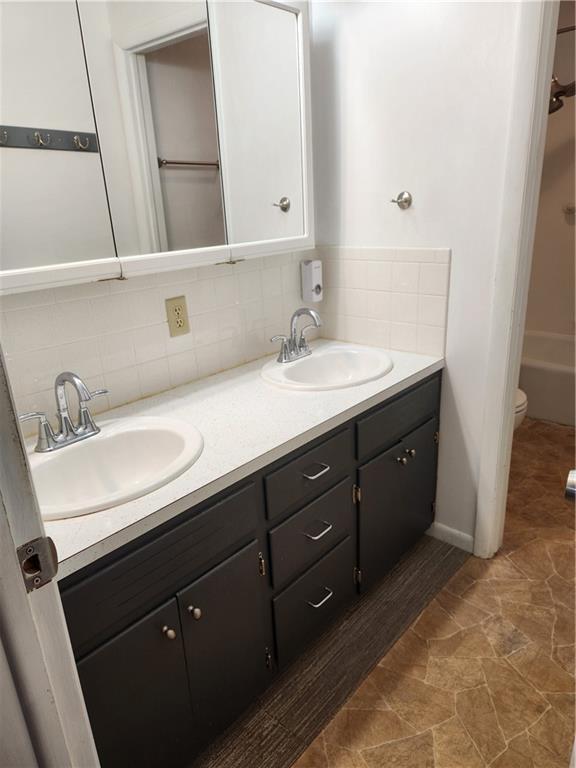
(20, 137)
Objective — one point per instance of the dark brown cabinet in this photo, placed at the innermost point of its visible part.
(227, 640)
(136, 692)
(179, 631)
(397, 497)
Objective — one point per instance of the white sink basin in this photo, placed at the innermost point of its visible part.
(127, 459)
(330, 366)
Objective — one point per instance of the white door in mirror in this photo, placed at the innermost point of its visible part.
(127, 459)
(331, 366)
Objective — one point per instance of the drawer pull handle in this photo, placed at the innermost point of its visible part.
(324, 599)
(322, 534)
(402, 460)
(169, 633)
(410, 452)
(325, 468)
(196, 613)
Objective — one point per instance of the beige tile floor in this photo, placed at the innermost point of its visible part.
(484, 677)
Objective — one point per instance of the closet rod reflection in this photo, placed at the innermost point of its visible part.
(162, 163)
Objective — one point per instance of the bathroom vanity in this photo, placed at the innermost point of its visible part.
(178, 630)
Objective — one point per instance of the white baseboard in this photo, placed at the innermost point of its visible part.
(451, 536)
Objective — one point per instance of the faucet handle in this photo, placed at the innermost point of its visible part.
(33, 415)
(46, 437)
(85, 420)
(95, 393)
(284, 354)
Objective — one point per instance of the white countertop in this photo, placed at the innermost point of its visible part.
(246, 423)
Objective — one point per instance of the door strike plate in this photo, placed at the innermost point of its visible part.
(38, 562)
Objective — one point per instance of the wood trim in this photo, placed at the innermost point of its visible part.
(536, 35)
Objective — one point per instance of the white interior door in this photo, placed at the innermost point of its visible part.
(46, 707)
(257, 77)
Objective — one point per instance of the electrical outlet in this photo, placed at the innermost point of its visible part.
(177, 314)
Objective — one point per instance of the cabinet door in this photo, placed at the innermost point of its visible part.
(398, 489)
(421, 449)
(136, 693)
(226, 637)
(382, 524)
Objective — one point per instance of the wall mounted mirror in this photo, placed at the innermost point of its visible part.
(199, 118)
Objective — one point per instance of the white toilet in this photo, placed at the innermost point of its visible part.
(520, 407)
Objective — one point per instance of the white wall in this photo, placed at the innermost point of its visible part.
(417, 96)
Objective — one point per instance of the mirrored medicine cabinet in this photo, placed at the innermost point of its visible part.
(143, 136)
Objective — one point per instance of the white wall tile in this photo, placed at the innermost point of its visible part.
(28, 329)
(432, 310)
(434, 279)
(272, 282)
(154, 376)
(382, 296)
(205, 328)
(80, 356)
(116, 351)
(430, 340)
(73, 320)
(405, 277)
(249, 286)
(208, 359)
(201, 297)
(110, 313)
(405, 307)
(403, 336)
(182, 368)
(378, 275)
(150, 343)
(123, 386)
(115, 332)
(225, 291)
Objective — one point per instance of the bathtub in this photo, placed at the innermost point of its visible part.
(547, 376)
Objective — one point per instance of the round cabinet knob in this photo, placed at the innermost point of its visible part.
(169, 633)
(402, 460)
(283, 204)
(196, 613)
(411, 452)
(403, 201)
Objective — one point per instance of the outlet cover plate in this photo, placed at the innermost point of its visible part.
(177, 314)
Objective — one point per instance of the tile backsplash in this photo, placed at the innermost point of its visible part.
(387, 297)
(114, 334)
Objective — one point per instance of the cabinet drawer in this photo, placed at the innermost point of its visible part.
(391, 422)
(308, 475)
(308, 606)
(116, 596)
(306, 536)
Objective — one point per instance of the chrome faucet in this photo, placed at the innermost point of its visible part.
(294, 347)
(68, 432)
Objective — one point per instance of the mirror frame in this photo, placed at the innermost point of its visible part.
(36, 278)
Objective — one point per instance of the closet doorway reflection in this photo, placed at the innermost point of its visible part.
(185, 130)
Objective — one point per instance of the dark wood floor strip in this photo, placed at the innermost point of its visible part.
(294, 710)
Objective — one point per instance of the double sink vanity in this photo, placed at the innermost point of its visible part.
(208, 534)
(239, 516)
